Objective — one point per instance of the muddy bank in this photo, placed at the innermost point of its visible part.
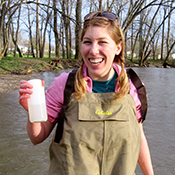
(10, 78)
(10, 81)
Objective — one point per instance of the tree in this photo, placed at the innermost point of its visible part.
(30, 32)
(2, 19)
(37, 30)
(163, 29)
(4, 25)
(169, 48)
(66, 9)
(15, 34)
(78, 29)
(57, 51)
(43, 36)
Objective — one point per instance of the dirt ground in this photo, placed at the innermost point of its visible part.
(9, 83)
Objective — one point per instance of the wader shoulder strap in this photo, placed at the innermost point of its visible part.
(69, 89)
(141, 90)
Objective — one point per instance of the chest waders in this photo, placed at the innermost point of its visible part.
(99, 137)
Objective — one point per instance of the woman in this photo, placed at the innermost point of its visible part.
(103, 132)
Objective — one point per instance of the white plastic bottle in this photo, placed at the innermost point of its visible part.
(37, 102)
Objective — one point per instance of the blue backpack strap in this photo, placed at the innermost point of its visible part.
(69, 89)
(141, 91)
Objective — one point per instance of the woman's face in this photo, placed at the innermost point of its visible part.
(98, 52)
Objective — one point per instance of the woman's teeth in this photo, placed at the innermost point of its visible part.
(95, 61)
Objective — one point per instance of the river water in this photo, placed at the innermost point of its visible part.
(19, 157)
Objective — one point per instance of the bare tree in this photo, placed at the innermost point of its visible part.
(49, 33)
(43, 35)
(14, 34)
(57, 51)
(78, 29)
(100, 5)
(2, 21)
(66, 9)
(4, 25)
(30, 32)
(168, 31)
(37, 30)
(169, 48)
(163, 29)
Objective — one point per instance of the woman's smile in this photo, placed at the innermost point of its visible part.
(96, 61)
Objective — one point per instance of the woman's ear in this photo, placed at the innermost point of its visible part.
(118, 48)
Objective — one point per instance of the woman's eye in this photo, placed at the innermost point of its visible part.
(103, 42)
(86, 42)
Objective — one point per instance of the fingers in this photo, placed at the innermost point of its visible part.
(25, 84)
(24, 93)
(25, 90)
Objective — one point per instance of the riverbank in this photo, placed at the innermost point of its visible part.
(13, 70)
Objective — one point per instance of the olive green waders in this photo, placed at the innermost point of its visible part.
(100, 137)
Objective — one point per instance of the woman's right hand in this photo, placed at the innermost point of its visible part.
(24, 93)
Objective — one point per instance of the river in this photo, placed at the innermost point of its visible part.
(19, 157)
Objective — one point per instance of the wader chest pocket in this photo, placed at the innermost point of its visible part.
(99, 111)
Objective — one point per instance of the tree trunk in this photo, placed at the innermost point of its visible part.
(168, 32)
(100, 5)
(66, 27)
(78, 30)
(30, 33)
(15, 38)
(132, 40)
(140, 40)
(50, 49)
(168, 54)
(70, 41)
(126, 46)
(55, 30)
(3, 8)
(62, 39)
(37, 30)
(45, 29)
(163, 29)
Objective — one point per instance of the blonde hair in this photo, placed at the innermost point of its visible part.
(116, 34)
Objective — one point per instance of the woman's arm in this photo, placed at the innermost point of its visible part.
(38, 132)
(144, 155)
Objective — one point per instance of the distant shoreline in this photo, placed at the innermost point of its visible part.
(11, 82)
(30, 68)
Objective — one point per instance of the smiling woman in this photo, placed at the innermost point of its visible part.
(102, 131)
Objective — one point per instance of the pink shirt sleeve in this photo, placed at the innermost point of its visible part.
(55, 97)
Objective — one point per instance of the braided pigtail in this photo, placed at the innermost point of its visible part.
(80, 84)
(123, 83)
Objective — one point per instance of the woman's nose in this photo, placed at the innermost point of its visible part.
(94, 49)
